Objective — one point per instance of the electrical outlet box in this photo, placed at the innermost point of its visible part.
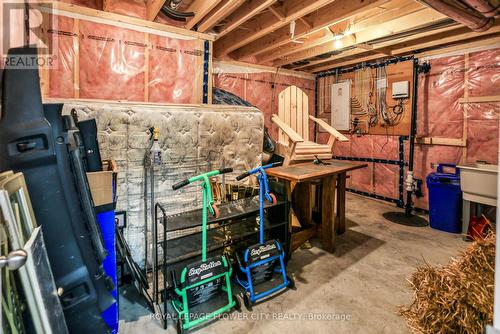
(341, 105)
(400, 89)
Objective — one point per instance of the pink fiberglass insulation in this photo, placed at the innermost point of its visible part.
(111, 62)
(173, 70)
(439, 113)
(386, 180)
(62, 43)
(484, 75)
(361, 179)
(385, 147)
(134, 8)
(362, 147)
(96, 4)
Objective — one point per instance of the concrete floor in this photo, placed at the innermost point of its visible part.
(355, 290)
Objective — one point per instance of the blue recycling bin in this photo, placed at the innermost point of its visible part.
(445, 199)
(106, 221)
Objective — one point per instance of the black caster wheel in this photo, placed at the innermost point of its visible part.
(247, 301)
(291, 285)
(237, 307)
(178, 325)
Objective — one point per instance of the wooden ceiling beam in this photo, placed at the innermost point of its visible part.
(246, 11)
(311, 42)
(382, 48)
(336, 12)
(278, 12)
(219, 13)
(267, 23)
(429, 41)
(200, 8)
(420, 19)
(153, 7)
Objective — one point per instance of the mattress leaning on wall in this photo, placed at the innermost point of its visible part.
(194, 139)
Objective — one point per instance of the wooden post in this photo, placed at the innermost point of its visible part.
(328, 217)
(340, 228)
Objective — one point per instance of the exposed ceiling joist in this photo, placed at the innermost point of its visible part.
(219, 13)
(336, 12)
(200, 8)
(267, 23)
(422, 18)
(278, 12)
(248, 10)
(429, 41)
(379, 48)
(153, 7)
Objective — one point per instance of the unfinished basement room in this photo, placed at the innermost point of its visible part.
(249, 166)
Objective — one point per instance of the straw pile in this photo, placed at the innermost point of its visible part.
(457, 298)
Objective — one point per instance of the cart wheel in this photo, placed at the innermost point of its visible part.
(291, 284)
(274, 200)
(178, 325)
(237, 307)
(216, 211)
(247, 301)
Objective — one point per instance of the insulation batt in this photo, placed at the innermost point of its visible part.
(113, 64)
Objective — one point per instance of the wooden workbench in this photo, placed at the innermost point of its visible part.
(298, 180)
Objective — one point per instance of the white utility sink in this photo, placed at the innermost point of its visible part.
(479, 183)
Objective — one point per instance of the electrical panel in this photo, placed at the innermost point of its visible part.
(341, 105)
(400, 89)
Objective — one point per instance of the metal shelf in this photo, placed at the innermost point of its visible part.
(229, 211)
(189, 246)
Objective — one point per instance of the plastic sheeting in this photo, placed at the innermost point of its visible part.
(99, 61)
(262, 88)
(441, 115)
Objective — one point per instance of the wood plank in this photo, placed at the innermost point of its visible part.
(341, 188)
(146, 68)
(331, 14)
(248, 10)
(299, 238)
(76, 60)
(308, 171)
(200, 8)
(413, 21)
(219, 13)
(440, 141)
(482, 40)
(328, 217)
(267, 23)
(117, 20)
(288, 49)
(294, 110)
(278, 12)
(153, 8)
(479, 99)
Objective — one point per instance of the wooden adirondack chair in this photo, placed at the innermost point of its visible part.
(293, 120)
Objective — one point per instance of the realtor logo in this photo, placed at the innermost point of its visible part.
(28, 24)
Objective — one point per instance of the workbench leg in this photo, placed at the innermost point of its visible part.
(328, 216)
(290, 187)
(340, 227)
(302, 203)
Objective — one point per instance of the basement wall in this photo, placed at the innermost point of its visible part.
(439, 115)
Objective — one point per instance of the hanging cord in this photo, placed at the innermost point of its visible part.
(391, 115)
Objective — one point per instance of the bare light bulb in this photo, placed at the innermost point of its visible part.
(338, 44)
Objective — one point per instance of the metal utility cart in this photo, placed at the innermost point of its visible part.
(235, 229)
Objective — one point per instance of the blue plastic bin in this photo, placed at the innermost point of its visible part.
(107, 223)
(445, 199)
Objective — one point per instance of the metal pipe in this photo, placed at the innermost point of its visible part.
(485, 7)
(413, 130)
(470, 18)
